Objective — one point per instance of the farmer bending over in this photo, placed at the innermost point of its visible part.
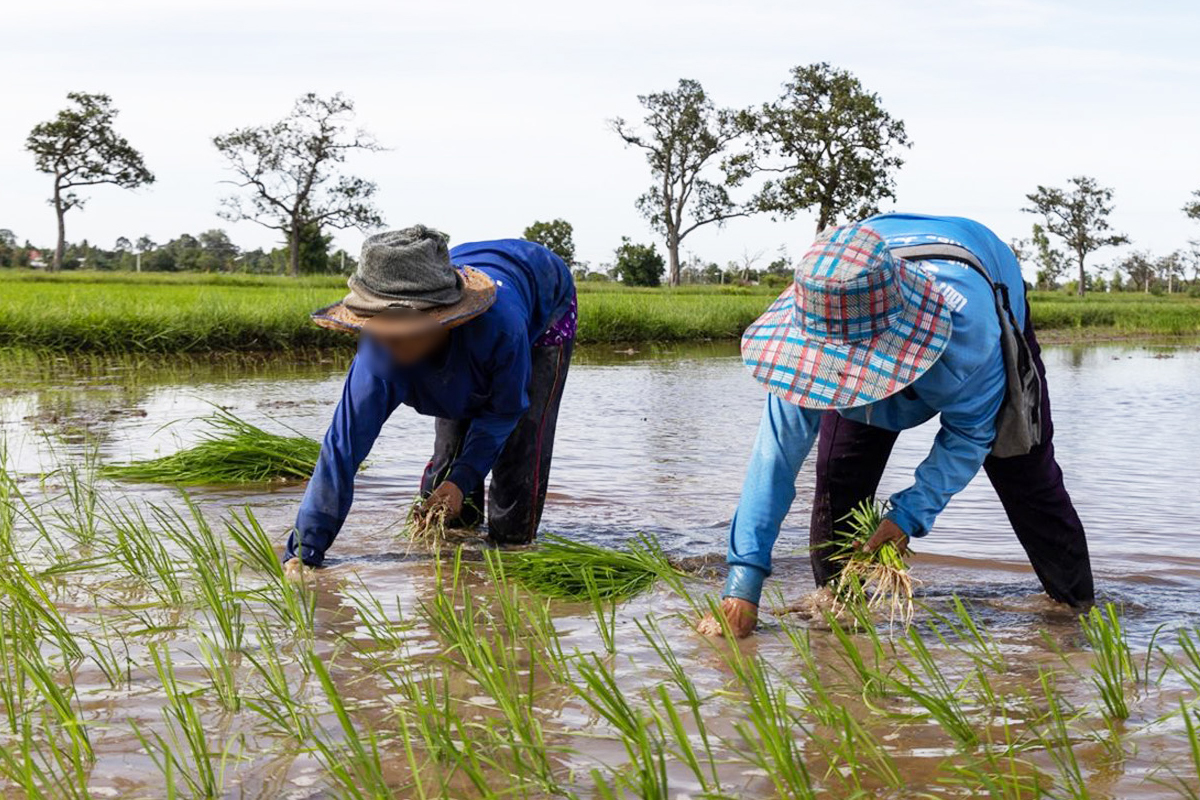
(868, 342)
(481, 338)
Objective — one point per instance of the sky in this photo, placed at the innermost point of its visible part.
(495, 113)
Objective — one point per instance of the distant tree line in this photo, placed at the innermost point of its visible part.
(825, 144)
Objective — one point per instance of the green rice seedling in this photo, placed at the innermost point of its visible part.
(1186, 786)
(231, 451)
(213, 573)
(109, 651)
(710, 781)
(933, 691)
(562, 568)
(220, 665)
(63, 703)
(771, 727)
(1188, 668)
(883, 573)
(277, 701)
(355, 763)
(143, 554)
(869, 667)
(35, 764)
(493, 663)
(997, 773)
(529, 620)
(184, 752)
(293, 602)
(976, 644)
(1054, 736)
(643, 743)
(1113, 668)
(604, 612)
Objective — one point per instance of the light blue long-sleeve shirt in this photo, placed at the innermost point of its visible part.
(965, 387)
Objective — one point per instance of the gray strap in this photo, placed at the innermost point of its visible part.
(949, 252)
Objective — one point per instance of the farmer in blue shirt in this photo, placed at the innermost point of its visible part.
(480, 337)
(864, 345)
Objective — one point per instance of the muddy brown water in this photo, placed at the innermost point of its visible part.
(656, 441)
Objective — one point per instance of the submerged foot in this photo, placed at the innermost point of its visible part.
(740, 615)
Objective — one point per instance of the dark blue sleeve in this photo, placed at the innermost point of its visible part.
(510, 368)
(367, 401)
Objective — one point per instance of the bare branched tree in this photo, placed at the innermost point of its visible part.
(291, 173)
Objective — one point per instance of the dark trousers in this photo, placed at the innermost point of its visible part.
(851, 458)
(518, 490)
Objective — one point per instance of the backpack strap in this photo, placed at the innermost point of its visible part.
(953, 252)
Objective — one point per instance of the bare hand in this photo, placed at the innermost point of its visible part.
(742, 616)
(888, 531)
(448, 498)
(296, 570)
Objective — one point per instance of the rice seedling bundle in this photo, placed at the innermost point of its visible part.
(570, 570)
(231, 451)
(879, 576)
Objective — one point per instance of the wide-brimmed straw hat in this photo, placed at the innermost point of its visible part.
(856, 326)
(406, 284)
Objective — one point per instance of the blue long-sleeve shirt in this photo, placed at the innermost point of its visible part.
(482, 376)
(965, 386)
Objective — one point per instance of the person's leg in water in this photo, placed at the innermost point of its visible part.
(1040, 510)
(522, 472)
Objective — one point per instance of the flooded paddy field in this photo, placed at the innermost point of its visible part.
(152, 648)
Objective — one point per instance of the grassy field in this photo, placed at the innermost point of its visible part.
(158, 312)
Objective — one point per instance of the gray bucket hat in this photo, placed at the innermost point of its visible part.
(405, 282)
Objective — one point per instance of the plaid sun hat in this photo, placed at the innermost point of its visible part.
(856, 326)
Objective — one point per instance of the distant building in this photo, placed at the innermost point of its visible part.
(35, 259)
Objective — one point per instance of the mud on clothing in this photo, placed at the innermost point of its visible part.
(965, 387)
(484, 377)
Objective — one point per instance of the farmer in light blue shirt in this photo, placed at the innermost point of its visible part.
(864, 345)
(479, 337)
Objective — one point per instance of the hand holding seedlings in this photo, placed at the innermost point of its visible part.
(447, 498)
(742, 616)
(886, 532)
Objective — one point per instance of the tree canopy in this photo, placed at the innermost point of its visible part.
(638, 264)
(291, 171)
(684, 137)
(827, 144)
(556, 235)
(1079, 216)
(80, 148)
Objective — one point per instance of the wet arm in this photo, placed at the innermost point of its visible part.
(367, 401)
(785, 437)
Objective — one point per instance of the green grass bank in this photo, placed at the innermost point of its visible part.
(162, 313)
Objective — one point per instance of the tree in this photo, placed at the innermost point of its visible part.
(1139, 267)
(830, 145)
(291, 172)
(638, 264)
(1078, 216)
(8, 248)
(685, 135)
(557, 235)
(80, 148)
(217, 251)
(1051, 263)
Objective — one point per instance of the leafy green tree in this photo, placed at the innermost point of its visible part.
(217, 251)
(638, 264)
(1051, 263)
(291, 173)
(1078, 216)
(314, 251)
(684, 138)
(8, 248)
(1140, 268)
(827, 144)
(557, 235)
(80, 148)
